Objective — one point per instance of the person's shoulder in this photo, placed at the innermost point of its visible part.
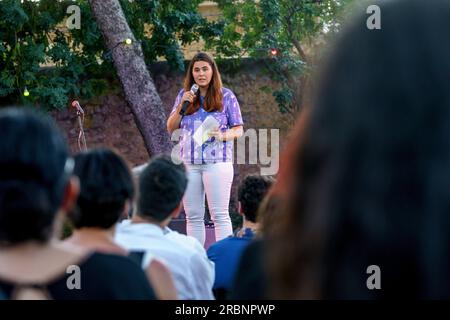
(255, 247)
(123, 224)
(227, 92)
(106, 270)
(185, 240)
(224, 242)
(229, 98)
(227, 243)
(123, 277)
(180, 93)
(176, 243)
(113, 266)
(106, 261)
(219, 246)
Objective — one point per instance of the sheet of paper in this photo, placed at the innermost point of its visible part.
(201, 134)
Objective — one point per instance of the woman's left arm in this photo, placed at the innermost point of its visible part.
(230, 134)
(234, 119)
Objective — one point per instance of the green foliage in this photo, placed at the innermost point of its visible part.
(254, 28)
(33, 35)
(172, 23)
(55, 64)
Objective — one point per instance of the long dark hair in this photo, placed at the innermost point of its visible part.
(213, 98)
(371, 179)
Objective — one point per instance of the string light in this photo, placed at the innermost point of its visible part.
(128, 41)
(107, 54)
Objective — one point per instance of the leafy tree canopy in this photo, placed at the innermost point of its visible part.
(282, 32)
(34, 34)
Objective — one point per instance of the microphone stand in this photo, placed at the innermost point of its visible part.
(80, 116)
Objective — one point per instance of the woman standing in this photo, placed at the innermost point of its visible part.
(209, 163)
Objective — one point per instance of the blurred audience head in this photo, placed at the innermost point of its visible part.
(35, 173)
(251, 193)
(369, 181)
(161, 188)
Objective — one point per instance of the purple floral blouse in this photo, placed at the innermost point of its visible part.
(211, 151)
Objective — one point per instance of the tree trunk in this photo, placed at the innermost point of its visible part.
(138, 86)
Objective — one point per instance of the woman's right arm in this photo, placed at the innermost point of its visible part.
(174, 120)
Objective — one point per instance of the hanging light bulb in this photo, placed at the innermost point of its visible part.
(273, 51)
(128, 41)
(26, 93)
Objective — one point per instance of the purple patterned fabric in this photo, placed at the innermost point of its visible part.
(211, 151)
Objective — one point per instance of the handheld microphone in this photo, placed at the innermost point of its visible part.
(186, 104)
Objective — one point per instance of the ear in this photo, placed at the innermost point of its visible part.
(175, 213)
(68, 202)
(240, 209)
(126, 210)
(71, 193)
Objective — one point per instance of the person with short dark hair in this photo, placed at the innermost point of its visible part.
(161, 188)
(107, 191)
(251, 193)
(227, 252)
(37, 189)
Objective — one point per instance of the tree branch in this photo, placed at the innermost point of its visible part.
(295, 42)
(138, 85)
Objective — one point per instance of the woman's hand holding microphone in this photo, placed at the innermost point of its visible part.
(188, 96)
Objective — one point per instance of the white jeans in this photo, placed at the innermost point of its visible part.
(215, 180)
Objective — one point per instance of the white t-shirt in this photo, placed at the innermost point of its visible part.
(192, 275)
